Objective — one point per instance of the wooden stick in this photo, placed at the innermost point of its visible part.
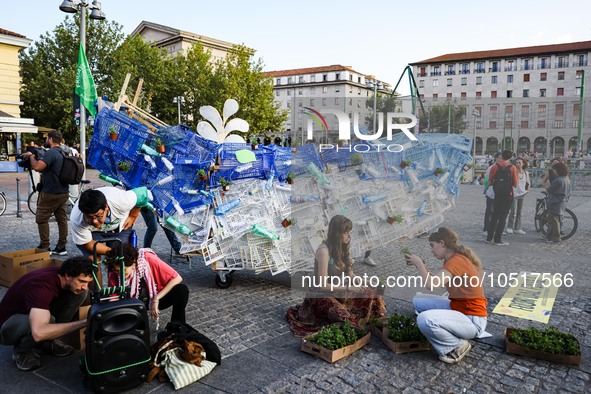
(122, 93)
(137, 91)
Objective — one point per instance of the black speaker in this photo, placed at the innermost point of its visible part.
(117, 346)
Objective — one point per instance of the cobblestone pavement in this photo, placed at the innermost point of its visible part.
(260, 355)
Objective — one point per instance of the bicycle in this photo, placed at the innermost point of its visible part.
(2, 203)
(34, 197)
(568, 224)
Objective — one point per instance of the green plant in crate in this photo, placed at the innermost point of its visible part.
(550, 340)
(402, 328)
(337, 336)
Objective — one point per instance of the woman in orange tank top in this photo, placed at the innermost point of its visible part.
(448, 322)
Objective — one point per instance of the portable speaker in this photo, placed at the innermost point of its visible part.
(117, 346)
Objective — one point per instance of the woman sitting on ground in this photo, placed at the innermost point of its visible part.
(449, 322)
(325, 304)
(151, 280)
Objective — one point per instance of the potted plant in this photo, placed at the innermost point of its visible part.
(400, 333)
(123, 166)
(550, 344)
(342, 143)
(395, 219)
(439, 171)
(254, 143)
(335, 341)
(286, 222)
(202, 175)
(290, 177)
(159, 145)
(225, 184)
(405, 163)
(113, 133)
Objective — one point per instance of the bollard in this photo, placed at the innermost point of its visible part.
(19, 213)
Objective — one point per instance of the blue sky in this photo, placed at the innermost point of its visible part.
(374, 37)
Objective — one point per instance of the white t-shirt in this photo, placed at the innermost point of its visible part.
(522, 179)
(120, 202)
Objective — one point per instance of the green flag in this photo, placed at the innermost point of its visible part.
(85, 87)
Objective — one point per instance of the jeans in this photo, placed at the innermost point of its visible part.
(152, 229)
(488, 212)
(48, 205)
(177, 298)
(497, 222)
(16, 330)
(514, 221)
(442, 326)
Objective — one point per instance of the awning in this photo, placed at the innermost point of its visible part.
(11, 124)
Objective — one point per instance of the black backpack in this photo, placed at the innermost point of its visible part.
(72, 169)
(503, 182)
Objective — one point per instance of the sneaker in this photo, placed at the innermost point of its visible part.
(57, 348)
(456, 355)
(26, 361)
(370, 261)
(520, 232)
(60, 251)
(46, 248)
(505, 232)
(509, 231)
(552, 241)
(502, 243)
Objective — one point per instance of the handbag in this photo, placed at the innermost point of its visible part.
(180, 372)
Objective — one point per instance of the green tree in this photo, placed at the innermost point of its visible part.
(384, 104)
(437, 119)
(48, 71)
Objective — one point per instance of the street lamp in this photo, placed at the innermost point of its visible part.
(375, 85)
(72, 7)
(476, 114)
(178, 100)
(548, 143)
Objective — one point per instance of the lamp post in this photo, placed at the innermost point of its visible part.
(178, 100)
(476, 114)
(375, 85)
(511, 117)
(548, 142)
(72, 7)
(518, 138)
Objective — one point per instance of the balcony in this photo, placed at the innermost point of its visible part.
(544, 66)
(422, 74)
(561, 64)
(479, 71)
(450, 72)
(580, 64)
(493, 69)
(511, 68)
(436, 73)
(527, 67)
(464, 71)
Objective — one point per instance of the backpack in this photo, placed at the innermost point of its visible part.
(503, 182)
(72, 169)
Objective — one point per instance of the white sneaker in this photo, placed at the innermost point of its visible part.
(370, 261)
(509, 231)
(520, 232)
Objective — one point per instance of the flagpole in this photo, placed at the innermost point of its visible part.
(82, 108)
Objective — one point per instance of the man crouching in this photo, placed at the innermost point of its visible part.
(39, 307)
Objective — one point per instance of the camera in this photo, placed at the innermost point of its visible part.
(26, 162)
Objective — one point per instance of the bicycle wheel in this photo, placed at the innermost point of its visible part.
(2, 204)
(568, 224)
(538, 222)
(32, 202)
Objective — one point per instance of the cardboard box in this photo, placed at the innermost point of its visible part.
(13, 265)
(78, 337)
(42, 264)
(333, 355)
(514, 348)
(398, 347)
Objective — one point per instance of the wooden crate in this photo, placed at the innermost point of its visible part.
(333, 355)
(514, 348)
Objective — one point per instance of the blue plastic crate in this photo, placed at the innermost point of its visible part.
(132, 133)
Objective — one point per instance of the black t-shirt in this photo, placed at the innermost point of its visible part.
(51, 182)
(36, 289)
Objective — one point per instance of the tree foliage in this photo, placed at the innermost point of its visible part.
(438, 118)
(48, 71)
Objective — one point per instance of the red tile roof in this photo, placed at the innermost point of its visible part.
(512, 52)
(10, 33)
(309, 70)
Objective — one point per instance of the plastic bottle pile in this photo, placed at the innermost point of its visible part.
(262, 223)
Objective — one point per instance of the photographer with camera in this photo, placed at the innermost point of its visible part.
(53, 194)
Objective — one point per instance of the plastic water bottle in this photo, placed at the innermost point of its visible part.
(227, 207)
(181, 228)
(253, 191)
(165, 180)
(302, 198)
(317, 173)
(133, 238)
(112, 181)
(243, 167)
(186, 190)
(270, 181)
(168, 164)
(150, 161)
(177, 207)
(421, 209)
(263, 232)
(150, 151)
(372, 198)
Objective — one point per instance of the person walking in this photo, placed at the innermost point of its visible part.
(489, 195)
(558, 195)
(53, 195)
(503, 177)
(448, 323)
(519, 193)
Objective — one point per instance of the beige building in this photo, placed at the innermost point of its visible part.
(11, 124)
(178, 41)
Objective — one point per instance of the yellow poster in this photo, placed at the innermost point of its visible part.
(532, 298)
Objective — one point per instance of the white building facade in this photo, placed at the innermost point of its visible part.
(529, 95)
